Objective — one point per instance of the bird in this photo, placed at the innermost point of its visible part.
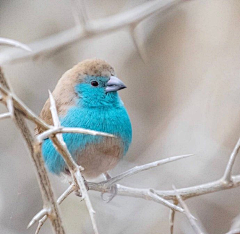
(87, 97)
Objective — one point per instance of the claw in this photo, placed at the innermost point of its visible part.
(77, 193)
(113, 193)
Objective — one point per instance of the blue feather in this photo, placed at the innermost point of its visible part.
(94, 110)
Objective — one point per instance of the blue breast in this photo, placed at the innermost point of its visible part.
(114, 120)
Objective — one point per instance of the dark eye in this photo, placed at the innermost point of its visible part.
(94, 83)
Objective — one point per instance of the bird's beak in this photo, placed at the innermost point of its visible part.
(114, 84)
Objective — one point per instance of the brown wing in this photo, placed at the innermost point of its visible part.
(46, 116)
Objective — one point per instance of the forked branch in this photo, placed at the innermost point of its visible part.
(91, 28)
(35, 152)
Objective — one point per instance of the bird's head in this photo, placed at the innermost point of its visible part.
(94, 83)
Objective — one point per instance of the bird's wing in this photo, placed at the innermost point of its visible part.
(46, 116)
(64, 98)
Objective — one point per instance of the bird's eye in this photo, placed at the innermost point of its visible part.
(94, 83)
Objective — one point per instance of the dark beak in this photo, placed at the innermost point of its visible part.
(114, 84)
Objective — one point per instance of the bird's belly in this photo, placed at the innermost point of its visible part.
(99, 158)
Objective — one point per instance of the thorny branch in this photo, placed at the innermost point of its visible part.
(75, 170)
(192, 221)
(91, 28)
(10, 42)
(228, 172)
(78, 180)
(35, 152)
(70, 189)
(17, 110)
(105, 186)
(141, 168)
(172, 218)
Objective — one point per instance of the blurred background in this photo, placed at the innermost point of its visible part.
(184, 99)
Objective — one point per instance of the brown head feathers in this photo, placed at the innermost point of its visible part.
(64, 92)
(90, 67)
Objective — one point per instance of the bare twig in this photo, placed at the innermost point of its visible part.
(168, 194)
(19, 105)
(55, 130)
(58, 139)
(172, 217)
(198, 190)
(23, 109)
(5, 115)
(185, 193)
(148, 194)
(93, 28)
(151, 195)
(73, 167)
(228, 172)
(35, 152)
(141, 168)
(10, 106)
(10, 42)
(193, 222)
(193, 191)
(69, 190)
(39, 215)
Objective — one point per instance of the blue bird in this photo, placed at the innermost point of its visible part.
(86, 97)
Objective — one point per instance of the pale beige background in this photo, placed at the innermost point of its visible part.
(186, 99)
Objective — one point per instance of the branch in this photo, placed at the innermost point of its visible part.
(228, 172)
(19, 105)
(23, 109)
(52, 131)
(151, 195)
(185, 193)
(92, 28)
(157, 195)
(147, 194)
(141, 168)
(5, 115)
(172, 217)
(70, 189)
(192, 221)
(10, 42)
(35, 152)
(74, 169)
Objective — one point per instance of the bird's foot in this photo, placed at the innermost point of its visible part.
(113, 189)
(107, 176)
(86, 184)
(113, 193)
(78, 193)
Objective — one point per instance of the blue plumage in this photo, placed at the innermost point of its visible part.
(94, 109)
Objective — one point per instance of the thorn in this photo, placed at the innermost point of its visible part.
(38, 216)
(5, 116)
(10, 42)
(184, 206)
